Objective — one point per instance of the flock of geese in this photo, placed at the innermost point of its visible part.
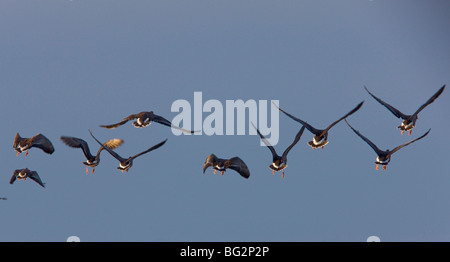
(279, 163)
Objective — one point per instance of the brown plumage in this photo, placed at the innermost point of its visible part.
(23, 174)
(144, 119)
(24, 144)
(221, 165)
(91, 161)
(126, 163)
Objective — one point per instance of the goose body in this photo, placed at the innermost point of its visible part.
(221, 165)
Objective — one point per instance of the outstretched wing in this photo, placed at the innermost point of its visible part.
(274, 153)
(431, 100)
(17, 139)
(393, 110)
(150, 149)
(126, 119)
(163, 121)
(111, 144)
(297, 138)
(43, 143)
(34, 175)
(340, 119)
(14, 176)
(114, 154)
(374, 147)
(238, 165)
(407, 143)
(308, 126)
(77, 143)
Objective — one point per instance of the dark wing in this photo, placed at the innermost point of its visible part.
(34, 175)
(374, 147)
(393, 110)
(77, 143)
(114, 154)
(13, 178)
(150, 149)
(407, 143)
(308, 126)
(274, 153)
(43, 143)
(431, 100)
(210, 160)
(163, 121)
(126, 119)
(297, 138)
(238, 165)
(17, 139)
(111, 144)
(340, 119)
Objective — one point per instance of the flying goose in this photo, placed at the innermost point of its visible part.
(409, 121)
(91, 161)
(126, 163)
(320, 138)
(384, 156)
(279, 162)
(221, 165)
(24, 144)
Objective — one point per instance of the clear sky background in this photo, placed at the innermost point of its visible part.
(69, 66)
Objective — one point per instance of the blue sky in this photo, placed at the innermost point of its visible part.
(69, 66)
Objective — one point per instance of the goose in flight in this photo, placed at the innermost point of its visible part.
(279, 163)
(126, 163)
(409, 121)
(320, 138)
(91, 161)
(24, 144)
(23, 174)
(384, 156)
(144, 119)
(221, 165)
